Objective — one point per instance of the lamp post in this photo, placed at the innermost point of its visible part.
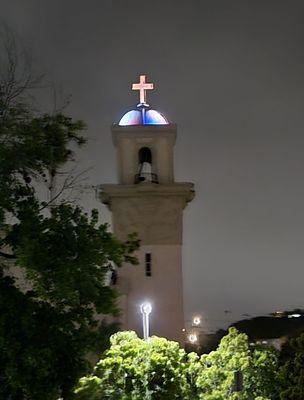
(192, 338)
(146, 309)
(237, 386)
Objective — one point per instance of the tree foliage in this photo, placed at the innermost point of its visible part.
(62, 255)
(258, 366)
(133, 369)
(292, 372)
(159, 369)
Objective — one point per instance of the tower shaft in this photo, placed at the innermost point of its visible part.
(155, 212)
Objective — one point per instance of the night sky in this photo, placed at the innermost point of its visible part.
(231, 75)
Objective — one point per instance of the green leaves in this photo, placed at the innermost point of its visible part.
(292, 372)
(36, 347)
(62, 254)
(30, 144)
(133, 369)
(66, 258)
(218, 367)
(259, 367)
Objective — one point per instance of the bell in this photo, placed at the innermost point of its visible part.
(144, 172)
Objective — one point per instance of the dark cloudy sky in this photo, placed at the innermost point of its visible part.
(230, 73)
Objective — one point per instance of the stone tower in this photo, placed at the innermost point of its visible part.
(148, 201)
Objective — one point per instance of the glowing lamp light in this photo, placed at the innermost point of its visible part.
(192, 338)
(278, 314)
(146, 309)
(294, 315)
(196, 321)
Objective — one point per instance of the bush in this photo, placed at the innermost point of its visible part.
(133, 369)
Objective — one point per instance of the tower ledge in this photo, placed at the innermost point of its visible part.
(143, 131)
(183, 190)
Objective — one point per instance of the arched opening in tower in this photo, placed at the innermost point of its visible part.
(145, 173)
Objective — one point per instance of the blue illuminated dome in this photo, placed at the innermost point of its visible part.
(143, 116)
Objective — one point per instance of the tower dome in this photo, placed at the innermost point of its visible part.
(143, 114)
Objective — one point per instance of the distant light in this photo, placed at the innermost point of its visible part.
(279, 314)
(264, 342)
(183, 330)
(192, 338)
(196, 321)
(146, 308)
(294, 316)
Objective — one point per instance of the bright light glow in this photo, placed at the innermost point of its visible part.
(135, 117)
(279, 313)
(192, 338)
(153, 117)
(143, 115)
(132, 117)
(183, 330)
(142, 86)
(196, 321)
(294, 315)
(146, 308)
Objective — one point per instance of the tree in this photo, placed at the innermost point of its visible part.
(292, 371)
(133, 369)
(215, 378)
(264, 378)
(48, 321)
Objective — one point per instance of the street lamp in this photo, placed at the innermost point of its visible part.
(192, 338)
(146, 310)
(196, 321)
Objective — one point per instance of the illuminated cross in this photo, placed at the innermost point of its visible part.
(142, 86)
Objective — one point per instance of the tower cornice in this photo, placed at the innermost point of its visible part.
(183, 190)
(143, 131)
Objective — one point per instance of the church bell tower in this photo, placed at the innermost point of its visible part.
(148, 201)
